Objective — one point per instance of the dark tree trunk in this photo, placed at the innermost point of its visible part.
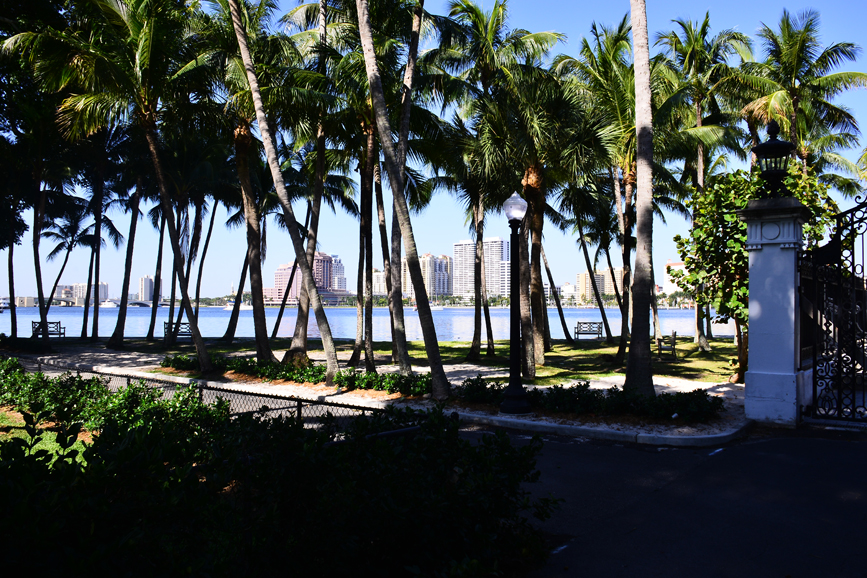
(386, 261)
(243, 139)
(38, 225)
(355, 358)
(289, 284)
(229, 336)
(528, 358)
(533, 192)
(99, 192)
(116, 339)
(476, 345)
(367, 235)
(156, 297)
(566, 331)
(87, 296)
(204, 254)
(13, 315)
(613, 280)
(396, 294)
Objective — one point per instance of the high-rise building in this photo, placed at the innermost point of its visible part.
(146, 289)
(436, 272)
(338, 276)
(322, 270)
(379, 285)
(496, 253)
(79, 292)
(585, 285)
(281, 279)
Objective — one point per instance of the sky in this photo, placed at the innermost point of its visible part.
(443, 223)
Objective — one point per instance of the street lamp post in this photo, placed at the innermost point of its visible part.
(773, 157)
(515, 401)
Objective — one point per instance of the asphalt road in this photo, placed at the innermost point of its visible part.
(779, 503)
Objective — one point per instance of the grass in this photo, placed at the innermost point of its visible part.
(12, 426)
(588, 359)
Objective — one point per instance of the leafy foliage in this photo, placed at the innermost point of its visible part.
(409, 385)
(268, 371)
(694, 406)
(175, 488)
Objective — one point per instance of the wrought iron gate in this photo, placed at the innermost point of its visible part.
(833, 335)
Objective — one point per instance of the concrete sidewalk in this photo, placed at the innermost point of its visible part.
(732, 424)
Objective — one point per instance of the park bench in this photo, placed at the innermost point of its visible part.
(54, 329)
(667, 346)
(184, 329)
(593, 328)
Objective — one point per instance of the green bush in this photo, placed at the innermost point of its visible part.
(176, 488)
(268, 371)
(693, 406)
(409, 385)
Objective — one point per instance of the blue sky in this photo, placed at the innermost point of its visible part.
(442, 224)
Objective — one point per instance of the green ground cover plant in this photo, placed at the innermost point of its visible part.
(176, 487)
(693, 406)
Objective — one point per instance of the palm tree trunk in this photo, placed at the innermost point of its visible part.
(566, 331)
(386, 262)
(624, 210)
(639, 366)
(476, 345)
(280, 187)
(657, 331)
(528, 358)
(395, 162)
(116, 339)
(535, 197)
(367, 236)
(13, 315)
(87, 294)
(204, 254)
(99, 187)
(355, 358)
(38, 225)
(243, 139)
(169, 337)
(156, 297)
(480, 229)
(289, 284)
(613, 279)
(298, 351)
(229, 335)
(201, 351)
(57, 280)
(395, 296)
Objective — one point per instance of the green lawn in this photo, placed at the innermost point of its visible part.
(588, 359)
(12, 426)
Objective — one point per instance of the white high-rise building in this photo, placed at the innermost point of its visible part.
(496, 253)
(79, 291)
(338, 276)
(379, 285)
(436, 272)
(146, 289)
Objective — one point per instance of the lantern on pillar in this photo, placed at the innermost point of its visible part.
(773, 158)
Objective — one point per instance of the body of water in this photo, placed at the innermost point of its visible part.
(452, 323)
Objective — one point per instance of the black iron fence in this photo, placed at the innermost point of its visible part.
(312, 413)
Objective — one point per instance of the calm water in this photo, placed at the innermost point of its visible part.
(452, 324)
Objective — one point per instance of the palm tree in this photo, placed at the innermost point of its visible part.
(395, 162)
(701, 64)
(68, 232)
(639, 368)
(285, 202)
(130, 46)
(798, 77)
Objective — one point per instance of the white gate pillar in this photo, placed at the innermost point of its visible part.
(775, 388)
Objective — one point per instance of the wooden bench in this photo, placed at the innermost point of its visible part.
(593, 328)
(54, 329)
(667, 346)
(184, 329)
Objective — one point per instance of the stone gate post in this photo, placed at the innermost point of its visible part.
(775, 388)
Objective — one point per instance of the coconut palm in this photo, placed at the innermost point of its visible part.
(285, 201)
(69, 232)
(639, 368)
(129, 47)
(798, 77)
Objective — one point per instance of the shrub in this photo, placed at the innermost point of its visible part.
(480, 390)
(409, 385)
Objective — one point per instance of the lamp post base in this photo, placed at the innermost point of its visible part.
(516, 404)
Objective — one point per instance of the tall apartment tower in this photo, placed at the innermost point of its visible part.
(146, 289)
(436, 272)
(496, 273)
(338, 275)
(322, 270)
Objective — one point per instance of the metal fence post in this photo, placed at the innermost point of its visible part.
(299, 412)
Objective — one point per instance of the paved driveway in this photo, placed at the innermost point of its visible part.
(779, 503)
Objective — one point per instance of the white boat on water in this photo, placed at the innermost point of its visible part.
(107, 303)
(244, 307)
(4, 305)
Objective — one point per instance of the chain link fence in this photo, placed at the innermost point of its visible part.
(313, 413)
